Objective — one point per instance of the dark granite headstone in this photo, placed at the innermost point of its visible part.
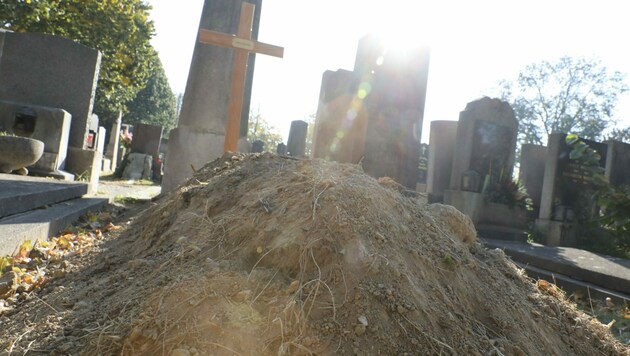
(573, 180)
(395, 104)
(374, 114)
(50, 71)
(281, 149)
(618, 163)
(486, 142)
(146, 139)
(491, 150)
(296, 145)
(258, 146)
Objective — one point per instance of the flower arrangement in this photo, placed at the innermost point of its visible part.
(125, 139)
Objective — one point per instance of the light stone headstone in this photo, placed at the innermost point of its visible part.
(423, 168)
(138, 167)
(200, 133)
(49, 125)
(441, 147)
(532, 171)
(51, 71)
(111, 151)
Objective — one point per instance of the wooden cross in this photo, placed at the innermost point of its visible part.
(242, 44)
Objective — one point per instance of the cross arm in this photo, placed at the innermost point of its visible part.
(231, 41)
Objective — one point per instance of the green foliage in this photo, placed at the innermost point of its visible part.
(569, 95)
(155, 104)
(120, 29)
(614, 202)
(507, 191)
(260, 129)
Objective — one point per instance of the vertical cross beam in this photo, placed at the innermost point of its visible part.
(242, 44)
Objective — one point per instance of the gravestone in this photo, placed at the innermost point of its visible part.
(532, 172)
(146, 139)
(200, 134)
(485, 143)
(139, 166)
(483, 161)
(111, 151)
(423, 168)
(395, 104)
(281, 149)
(258, 146)
(341, 120)
(374, 114)
(50, 71)
(566, 193)
(618, 163)
(296, 145)
(49, 125)
(441, 147)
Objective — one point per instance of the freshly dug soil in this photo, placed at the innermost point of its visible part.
(267, 255)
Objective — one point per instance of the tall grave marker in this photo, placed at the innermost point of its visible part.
(566, 191)
(483, 160)
(374, 114)
(217, 88)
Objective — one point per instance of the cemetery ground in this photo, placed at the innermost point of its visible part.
(260, 254)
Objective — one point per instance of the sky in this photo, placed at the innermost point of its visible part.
(474, 45)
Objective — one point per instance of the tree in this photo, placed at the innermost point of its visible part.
(619, 134)
(120, 29)
(569, 95)
(260, 129)
(179, 103)
(156, 103)
(308, 151)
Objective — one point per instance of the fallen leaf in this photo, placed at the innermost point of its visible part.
(25, 248)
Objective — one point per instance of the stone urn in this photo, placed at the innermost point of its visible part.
(19, 152)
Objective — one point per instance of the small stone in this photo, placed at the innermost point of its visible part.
(307, 341)
(80, 305)
(401, 309)
(57, 273)
(293, 287)
(180, 352)
(135, 335)
(243, 295)
(359, 329)
(363, 320)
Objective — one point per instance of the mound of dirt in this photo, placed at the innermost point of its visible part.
(266, 255)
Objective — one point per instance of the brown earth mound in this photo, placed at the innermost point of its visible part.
(263, 255)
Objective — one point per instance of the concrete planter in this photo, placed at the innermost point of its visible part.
(18, 152)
